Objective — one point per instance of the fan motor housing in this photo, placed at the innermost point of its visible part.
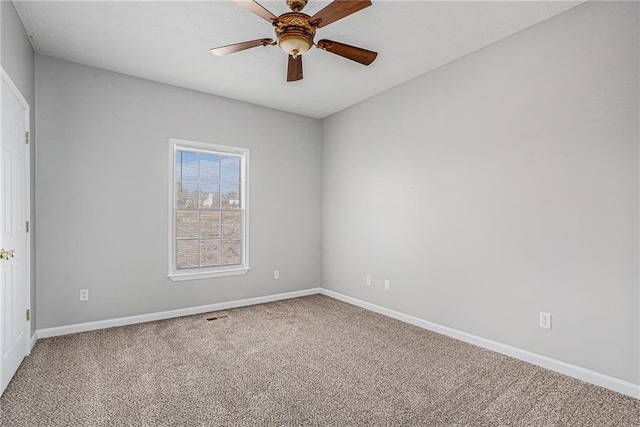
(295, 33)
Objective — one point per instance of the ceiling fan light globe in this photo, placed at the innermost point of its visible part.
(295, 44)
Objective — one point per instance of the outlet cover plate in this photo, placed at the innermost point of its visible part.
(545, 320)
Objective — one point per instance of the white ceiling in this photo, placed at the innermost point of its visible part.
(169, 42)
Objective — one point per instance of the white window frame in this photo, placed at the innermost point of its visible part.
(208, 272)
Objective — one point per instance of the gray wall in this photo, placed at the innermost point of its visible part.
(17, 60)
(102, 194)
(498, 186)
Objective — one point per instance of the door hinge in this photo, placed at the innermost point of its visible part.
(27, 226)
(28, 314)
(26, 137)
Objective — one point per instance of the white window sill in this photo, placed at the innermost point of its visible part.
(194, 275)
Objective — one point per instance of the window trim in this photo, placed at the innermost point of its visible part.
(209, 272)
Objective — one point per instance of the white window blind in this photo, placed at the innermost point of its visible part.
(208, 210)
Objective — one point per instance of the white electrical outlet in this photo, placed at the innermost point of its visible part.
(368, 282)
(386, 285)
(545, 320)
(276, 274)
(84, 294)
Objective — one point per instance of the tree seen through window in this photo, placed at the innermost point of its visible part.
(208, 210)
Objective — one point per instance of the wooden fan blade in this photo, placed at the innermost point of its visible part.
(294, 70)
(233, 48)
(353, 53)
(255, 7)
(337, 10)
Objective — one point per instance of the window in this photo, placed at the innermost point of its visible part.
(208, 230)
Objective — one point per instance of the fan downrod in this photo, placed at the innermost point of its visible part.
(296, 5)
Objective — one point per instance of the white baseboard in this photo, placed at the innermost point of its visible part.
(592, 377)
(122, 321)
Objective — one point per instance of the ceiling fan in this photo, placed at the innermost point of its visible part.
(295, 32)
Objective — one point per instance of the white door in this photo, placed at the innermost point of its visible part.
(14, 213)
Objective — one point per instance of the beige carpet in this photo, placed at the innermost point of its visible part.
(307, 361)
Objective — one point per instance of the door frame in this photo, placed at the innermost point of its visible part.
(27, 111)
